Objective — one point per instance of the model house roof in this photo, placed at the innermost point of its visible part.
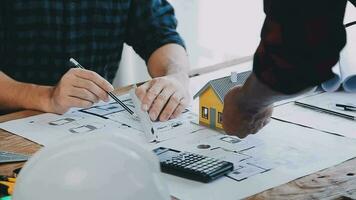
(222, 85)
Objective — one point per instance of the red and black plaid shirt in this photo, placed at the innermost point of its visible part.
(300, 43)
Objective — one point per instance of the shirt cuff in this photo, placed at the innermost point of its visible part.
(157, 43)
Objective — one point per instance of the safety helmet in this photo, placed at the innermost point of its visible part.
(92, 167)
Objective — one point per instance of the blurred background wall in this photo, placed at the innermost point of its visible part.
(215, 31)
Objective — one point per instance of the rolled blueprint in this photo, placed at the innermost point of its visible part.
(333, 84)
(348, 61)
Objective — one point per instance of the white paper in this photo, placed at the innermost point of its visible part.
(279, 153)
(318, 120)
(328, 101)
(99, 119)
(283, 152)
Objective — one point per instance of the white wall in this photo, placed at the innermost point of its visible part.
(350, 13)
(214, 31)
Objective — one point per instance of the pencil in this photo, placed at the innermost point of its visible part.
(75, 63)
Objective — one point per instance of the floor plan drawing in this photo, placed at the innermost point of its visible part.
(63, 121)
(86, 128)
(103, 110)
(244, 154)
(101, 118)
(279, 153)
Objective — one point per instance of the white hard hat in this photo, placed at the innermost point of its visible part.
(92, 167)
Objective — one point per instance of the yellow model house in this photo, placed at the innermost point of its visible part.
(211, 98)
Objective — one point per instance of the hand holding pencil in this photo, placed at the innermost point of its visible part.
(75, 63)
(78, 88)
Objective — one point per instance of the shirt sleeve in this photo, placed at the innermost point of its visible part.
(300, 43)
(151, 24)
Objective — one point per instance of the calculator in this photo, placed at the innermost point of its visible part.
(9, 157)
(192, 166)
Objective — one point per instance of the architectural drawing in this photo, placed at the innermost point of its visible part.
(103, 117)
(63, 121)
(103, 110)
(281, 152)
(86, 128)
(246, 155)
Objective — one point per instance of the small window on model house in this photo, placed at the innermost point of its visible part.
(219, 117)
(204, 112)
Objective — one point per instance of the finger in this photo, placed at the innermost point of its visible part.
(77, 102)
(239, 133)
(158, 104)
(92, 87)
(178, 111)
(244, 128)
(155, 89)
(171, 106)
(255, 130)
(266, 121)
(142, 90)
(83, 94)
(257, 127)
(96, 78)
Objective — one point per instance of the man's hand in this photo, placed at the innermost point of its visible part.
(240, 118)
(165, 97)
(78, 88)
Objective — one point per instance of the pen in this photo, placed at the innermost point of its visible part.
(324, 110)
(346, 107)
(74, 62)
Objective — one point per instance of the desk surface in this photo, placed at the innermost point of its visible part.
(337, 182)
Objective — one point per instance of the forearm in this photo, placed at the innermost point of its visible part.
(16, 95)
(257, 95)
(167, 94)
(169, 59)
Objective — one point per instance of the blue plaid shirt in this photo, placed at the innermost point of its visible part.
(37, 37)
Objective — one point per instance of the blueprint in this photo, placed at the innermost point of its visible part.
(279, 153)
(320, 120)
(99, 119)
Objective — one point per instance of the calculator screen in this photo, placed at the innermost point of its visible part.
(167, 155)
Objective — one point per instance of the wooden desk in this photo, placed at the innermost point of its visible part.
(337, 182)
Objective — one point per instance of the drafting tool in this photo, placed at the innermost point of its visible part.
(75, 63)
(149, 129)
